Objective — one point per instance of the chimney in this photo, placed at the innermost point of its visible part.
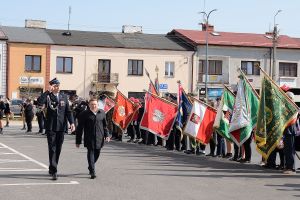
(30, 23)
(131, 29)
(209, 28)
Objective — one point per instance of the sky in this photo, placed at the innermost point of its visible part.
(156, 16)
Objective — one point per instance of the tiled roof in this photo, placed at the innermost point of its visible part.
(94, 39)
(26, 35)
(235, 39)
(116, 40)
(2, 35)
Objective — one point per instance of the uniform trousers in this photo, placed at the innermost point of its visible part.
(55, 140)
(92, 157)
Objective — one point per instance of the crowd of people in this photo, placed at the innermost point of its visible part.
(56, 113)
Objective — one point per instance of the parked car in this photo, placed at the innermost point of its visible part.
(15, 106)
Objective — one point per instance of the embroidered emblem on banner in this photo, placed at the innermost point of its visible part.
(195, 118)
(121, 111)
(158, 116)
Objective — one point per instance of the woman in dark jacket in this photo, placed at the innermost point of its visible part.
(93, 122)
(29, 114)
(7, 111)
(2, 108)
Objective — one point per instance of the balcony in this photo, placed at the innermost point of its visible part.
(105, 78)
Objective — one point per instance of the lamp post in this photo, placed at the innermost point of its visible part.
(274, 40)
(156, 81)
(206, 48)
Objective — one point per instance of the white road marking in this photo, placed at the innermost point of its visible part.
(20, 170)
(23, 155)
(6, 153)
(9, 160)
(37, 184)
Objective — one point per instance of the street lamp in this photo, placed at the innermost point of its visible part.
(206, 49)
(274, 40)
(156, 80)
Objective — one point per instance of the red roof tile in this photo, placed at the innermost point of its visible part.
(238, 39)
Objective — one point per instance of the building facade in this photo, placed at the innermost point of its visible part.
(228, 53)
(3, 64)
(28, 54)
(97, 62)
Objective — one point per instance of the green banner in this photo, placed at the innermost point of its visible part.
(224, 113)
(275, 113)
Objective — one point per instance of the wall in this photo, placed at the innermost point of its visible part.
(16, 68)
(85, 63)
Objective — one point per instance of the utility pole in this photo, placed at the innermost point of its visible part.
(206, 48)
(275, 70)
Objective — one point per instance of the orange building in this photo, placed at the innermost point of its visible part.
(28, 61)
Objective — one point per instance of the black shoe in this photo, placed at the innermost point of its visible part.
(93, 175)
(228, 155)
(54, 176)
(233, 159)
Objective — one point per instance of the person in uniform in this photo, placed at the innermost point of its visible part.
(58, 112)
(93, 123)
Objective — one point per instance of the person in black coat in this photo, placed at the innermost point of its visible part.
(93, 123)
(2, 108)
(29, 114)
(58, 112)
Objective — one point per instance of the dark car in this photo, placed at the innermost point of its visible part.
(15, 106)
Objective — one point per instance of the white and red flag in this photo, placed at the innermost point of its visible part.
(124, 111)
(108, 104)
(159, 115)
(200, 122)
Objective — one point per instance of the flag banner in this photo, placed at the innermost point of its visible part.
(159, 116)
(200, 122)
(276, 112)
(152, 89)
(224, 113)
(244, 117)
(184, 109)
(123, 111)
(108, 104)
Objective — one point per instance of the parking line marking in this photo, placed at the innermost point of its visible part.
(9, 160)
(23, 155)
(20, 170)
(6, 153)
(37, 184)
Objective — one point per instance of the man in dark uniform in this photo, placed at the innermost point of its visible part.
(93, 122)
(57, 113)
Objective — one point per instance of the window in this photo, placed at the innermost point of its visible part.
(32, 63)
(288, 69)
(169, 69)
(135, 67)
(249, 67)
(104, 66)
(214, 68)
(64, 64)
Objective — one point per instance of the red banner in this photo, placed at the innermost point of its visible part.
(159, 115)
(123, 111)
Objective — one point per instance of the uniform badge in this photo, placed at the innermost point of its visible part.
(62, 103)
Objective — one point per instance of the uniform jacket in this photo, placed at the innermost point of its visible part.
(58, 111)
(94, 128)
